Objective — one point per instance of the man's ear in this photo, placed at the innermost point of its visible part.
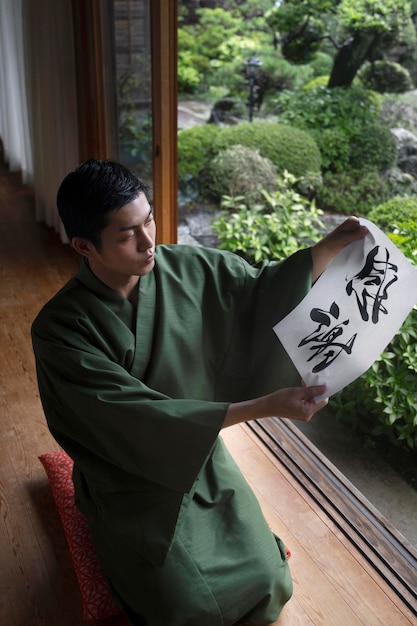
(83, 246)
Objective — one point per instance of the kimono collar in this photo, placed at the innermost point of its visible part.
(94, 284)
(147, 296)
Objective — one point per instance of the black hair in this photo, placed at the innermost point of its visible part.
(88, 195)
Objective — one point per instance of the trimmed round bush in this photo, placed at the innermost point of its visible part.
(197, 147)
(352, 193)
(373, 146)
(386, 77)
(287, 147)
(242, 171)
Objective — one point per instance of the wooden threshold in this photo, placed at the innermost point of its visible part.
(386, 550)
(334, 583)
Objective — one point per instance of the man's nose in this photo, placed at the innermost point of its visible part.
(144, 240)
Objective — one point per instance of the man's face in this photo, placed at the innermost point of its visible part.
(127, 244)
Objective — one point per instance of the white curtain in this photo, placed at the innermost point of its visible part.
(52, 89)
(14, 115)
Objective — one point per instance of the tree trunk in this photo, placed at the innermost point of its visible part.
(349, 60)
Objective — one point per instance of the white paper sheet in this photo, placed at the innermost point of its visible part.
(351, 313)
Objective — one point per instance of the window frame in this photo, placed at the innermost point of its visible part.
(97, 113)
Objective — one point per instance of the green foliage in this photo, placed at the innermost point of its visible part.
(214, 27)
(189, 79)
(283, 75)
(322, 64)
(315, 83)
(301, 48)
(374, 16)
(336, 118)
(352, 193)
(405, 238)
(287, 16)
(286, 147)
(385, 76)
(373, 146)
(214, 46)
(197, 147)
(279, 226)
(240, 170)
(135, 136)
(383, 401)
(359, 29)
(135, 127)
(395, 213)
(328, 108)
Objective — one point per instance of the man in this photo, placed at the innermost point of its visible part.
(142, 358)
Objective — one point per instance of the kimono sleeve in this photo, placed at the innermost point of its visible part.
(96, 409)
(257, 362)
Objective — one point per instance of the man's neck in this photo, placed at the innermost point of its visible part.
(127, 287)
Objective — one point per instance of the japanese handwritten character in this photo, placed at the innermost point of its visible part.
(326, 338)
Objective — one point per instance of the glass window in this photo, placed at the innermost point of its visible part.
(132, 46)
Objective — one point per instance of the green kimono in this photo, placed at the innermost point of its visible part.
(137, 397)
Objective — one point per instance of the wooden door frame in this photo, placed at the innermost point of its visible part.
(165, 115)
(96, 103)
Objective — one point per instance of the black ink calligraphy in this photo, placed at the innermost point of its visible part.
(326, 338)
(371, 284)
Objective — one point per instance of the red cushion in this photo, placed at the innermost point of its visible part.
(95, 593)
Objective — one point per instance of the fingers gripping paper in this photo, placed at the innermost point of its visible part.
(351, 313)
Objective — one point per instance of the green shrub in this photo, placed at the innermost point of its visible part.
(239, 170)
(374, 146)
(315, 83)
(397, 211)
(283, 223)
(383, 401)
(287, 148)
(334, 117)
(385, 76)
(336, 149)
(301, 48)
(398, 218)
(322, 64)
(214, 42)
(197, 147)
(352, 193)
(189, 79)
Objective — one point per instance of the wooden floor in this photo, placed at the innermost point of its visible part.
(334, 585)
